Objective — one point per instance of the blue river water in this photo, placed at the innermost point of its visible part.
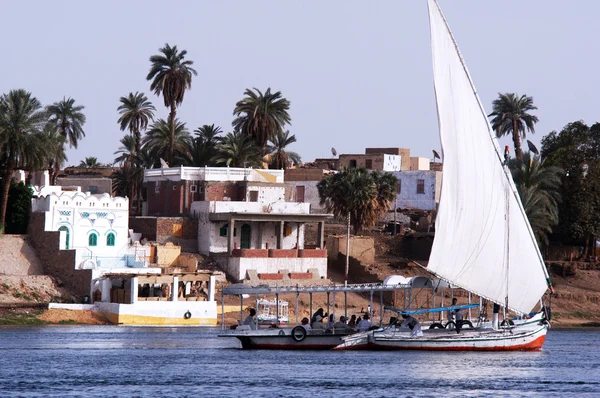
(111, 361)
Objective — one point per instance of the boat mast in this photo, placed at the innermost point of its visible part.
(507, 218)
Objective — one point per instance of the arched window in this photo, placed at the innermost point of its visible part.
(110, 239)
(63, 228)
(93, 240)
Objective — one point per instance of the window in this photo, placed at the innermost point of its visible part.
(110, 239)
(399, 186)
(253, 196)
(193, 188)
(93, 240)
(352, 163)
(287, 230)
(224, 228)
(66, 230)
(420, 186)
(93, 189)
(369, 164)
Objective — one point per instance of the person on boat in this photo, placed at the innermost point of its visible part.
(331, 322)
(413, 324)
(319, 312)
(365, 324)
(457, 316)
(250, 319)
(305, 324)
(340, 326)
(318, 326)
(393, 321)
(352, 322)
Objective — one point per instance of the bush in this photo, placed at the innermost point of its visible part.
(18, 208)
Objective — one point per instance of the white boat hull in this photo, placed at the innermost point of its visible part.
(526, 338)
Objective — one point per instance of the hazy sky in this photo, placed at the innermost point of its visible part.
(357, 73)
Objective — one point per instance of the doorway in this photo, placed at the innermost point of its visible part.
(246, 237)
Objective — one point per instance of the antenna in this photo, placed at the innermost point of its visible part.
(532, 147)
(333, 152)
(435, 155)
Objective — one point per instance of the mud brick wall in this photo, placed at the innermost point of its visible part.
(144, 225)
(218, 191)
(57, 263)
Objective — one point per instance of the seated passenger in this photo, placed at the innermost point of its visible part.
(413, 324)
(365, 324)
(318, 312)
(250, 319)
(305, 324)
(318, 326)
(352, 322)
(341, 327)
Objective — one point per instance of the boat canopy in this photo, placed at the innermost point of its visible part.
(428, 310)
(416, 282)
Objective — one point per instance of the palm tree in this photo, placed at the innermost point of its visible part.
(136, 112)
(127, 151)
(129, 178)
(90, 163)
(160, 142)
(237, 150)
(67, 119)
(280, 157)
(171, 76)
(365, 196)
(511, 116)
(21, 123)
(261, 116)
(539, 186)
(54, 145)
(203, 146)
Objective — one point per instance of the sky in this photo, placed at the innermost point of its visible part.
(357, 74)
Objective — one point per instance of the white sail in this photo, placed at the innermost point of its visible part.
(476, 247)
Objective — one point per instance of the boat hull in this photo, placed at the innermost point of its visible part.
(275, 341)
(489, 340)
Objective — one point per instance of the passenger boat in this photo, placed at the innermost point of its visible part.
(483, 242)
(267, 312)
(287, 339)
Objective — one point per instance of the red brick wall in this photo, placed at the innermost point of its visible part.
(218, 190)
(169, 199)
(283, 253)
(301, 275)
(57, 263)
(270, 277)
(312, 253)
(250, 253)
(144, 225)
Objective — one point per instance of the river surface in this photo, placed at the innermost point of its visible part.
(111, 361)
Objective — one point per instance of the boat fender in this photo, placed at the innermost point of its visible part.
(467, 323)
(436, 325)
(298, 333)
(187, 315)
(451, 325)
(281, 333)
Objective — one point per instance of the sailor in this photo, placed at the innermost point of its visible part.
(457, 316)
(413, 324)
(250, 319)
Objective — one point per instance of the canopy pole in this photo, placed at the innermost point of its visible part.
(222, 310)
(469, 308)
(241, 309)
(328, 293)
(277, 311)
(297, 294)
(346, 304)
(380, 308)
(311, 309)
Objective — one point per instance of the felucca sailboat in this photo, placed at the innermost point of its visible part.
(483, 241)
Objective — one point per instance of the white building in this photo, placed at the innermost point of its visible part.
(95, 226)
(244, 220)
(418, 189)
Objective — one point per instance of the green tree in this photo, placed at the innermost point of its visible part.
(67, 119)
(511, 116)
(135, 111)
(18, 208)
(21, 122)
(281, 158)
(171, 76)
(365, 196)
(129, 178)
(261, 116)
(90, 163)
(160, 141)
(576, 149)
(237, 150)
(539, 187)
(54, 145)
(203, 148)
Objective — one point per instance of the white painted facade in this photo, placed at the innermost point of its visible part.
(96, 226)
(213, 174)
(392, 162)
(417, 163)
(212, 240)
(238, 266)
(409, 196)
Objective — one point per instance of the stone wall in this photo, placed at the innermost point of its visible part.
(18, 257)
(181, 231)
(362, 248)
(57, 263)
